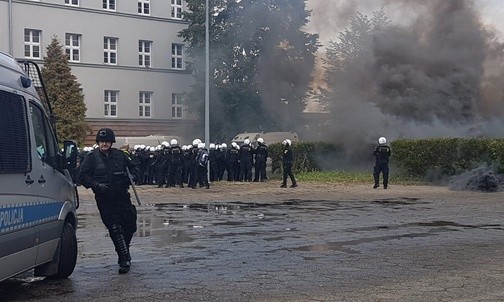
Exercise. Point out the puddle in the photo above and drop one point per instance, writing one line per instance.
(304, 226)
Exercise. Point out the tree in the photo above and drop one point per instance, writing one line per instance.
(64, 94)
(260, 63)
(346, 71)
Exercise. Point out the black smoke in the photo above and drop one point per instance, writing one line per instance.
(440, 73)
(484, 178)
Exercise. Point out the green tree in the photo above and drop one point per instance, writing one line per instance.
(347, 60)
(260, 63)
(64, 94)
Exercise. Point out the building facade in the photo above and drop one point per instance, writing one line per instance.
(125, 54)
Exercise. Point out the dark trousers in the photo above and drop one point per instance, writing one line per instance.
(288, 172)
(381, 167)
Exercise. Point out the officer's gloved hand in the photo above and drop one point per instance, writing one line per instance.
(101, 187)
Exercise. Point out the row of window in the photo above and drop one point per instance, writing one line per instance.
(32, 49)
(144, 7)
(111, 103)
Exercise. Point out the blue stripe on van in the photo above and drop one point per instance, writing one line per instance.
(19, 216)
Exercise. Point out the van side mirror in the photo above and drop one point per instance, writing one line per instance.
(70, 154)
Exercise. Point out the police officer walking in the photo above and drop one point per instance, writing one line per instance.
(381, 153)
(287, 161)
(104, 170)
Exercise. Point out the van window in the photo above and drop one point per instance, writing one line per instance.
(45, 141)
(14, 134)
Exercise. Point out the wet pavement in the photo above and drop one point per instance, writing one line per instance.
(386, 248)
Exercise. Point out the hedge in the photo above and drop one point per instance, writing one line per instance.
(447, 156)
(412, 157)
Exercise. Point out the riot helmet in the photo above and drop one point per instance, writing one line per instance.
(105, 135)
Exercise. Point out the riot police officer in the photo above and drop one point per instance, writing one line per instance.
(234, 162)
(287, 161)
(246, 160)
(381, 153)
(261, 155)
(104, 170)
(175, 167)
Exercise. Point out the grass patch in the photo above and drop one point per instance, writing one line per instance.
(352, 177)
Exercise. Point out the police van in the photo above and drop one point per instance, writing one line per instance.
(38, 199)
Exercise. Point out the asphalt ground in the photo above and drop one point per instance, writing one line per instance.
(317, 242)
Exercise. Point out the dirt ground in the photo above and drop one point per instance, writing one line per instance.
(271, 191)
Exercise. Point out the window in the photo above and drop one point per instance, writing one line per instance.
(72, 47)
(32, 43)
(14, 129)
(72, 2)
(144, 7)
(177, 56)
(109, 5)
(144, 53)
(177, 106)
(176, 9)
(110, 51)
(46, 144)
(110, 103)
(144, 104)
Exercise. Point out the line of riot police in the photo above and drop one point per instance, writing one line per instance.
(171, 165)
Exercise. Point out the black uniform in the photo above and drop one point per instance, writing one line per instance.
(222, 163)
(246, 160)
(107, 176)
(382, 153)
(288, 160)
(261, 155)
(162, 167)
(202, 166)
(214, 159)
(234, 164)
(175, 167)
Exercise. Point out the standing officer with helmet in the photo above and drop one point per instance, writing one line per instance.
(105, 171)
(261, 155)
(175, 167)
(288, 160)
(381, 153)
(246, 159)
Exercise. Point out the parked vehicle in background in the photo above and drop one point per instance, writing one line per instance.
(38, 199)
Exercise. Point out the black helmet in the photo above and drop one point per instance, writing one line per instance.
(105, 135)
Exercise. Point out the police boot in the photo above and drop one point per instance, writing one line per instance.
(376, 180)
(385, 180)
(121, 248)
(293, 180)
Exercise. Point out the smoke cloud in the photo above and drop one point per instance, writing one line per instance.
(436, 71)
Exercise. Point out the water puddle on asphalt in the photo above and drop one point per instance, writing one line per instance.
(300, 225)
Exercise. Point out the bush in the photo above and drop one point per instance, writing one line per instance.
(306, 155)
(446, 156)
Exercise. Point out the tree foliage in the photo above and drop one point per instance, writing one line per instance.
(345, 71)
(260, 63)
(65, 94)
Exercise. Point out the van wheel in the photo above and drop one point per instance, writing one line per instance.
(67, 252)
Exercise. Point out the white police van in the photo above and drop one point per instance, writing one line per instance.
(38, 199)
